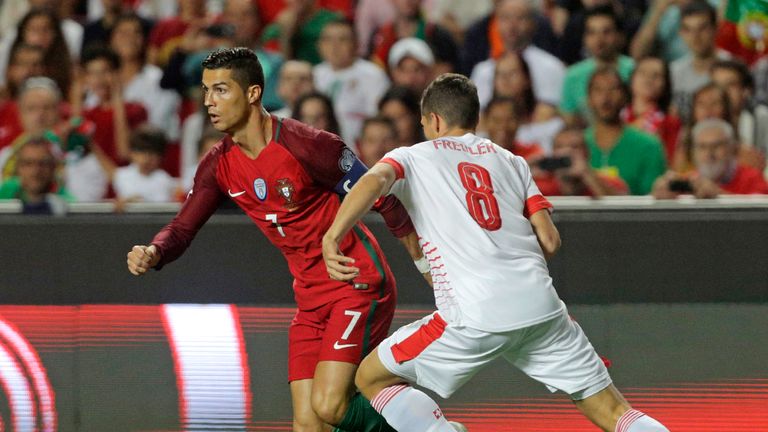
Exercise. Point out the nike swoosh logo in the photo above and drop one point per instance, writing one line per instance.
(338, 346)
(234, 195)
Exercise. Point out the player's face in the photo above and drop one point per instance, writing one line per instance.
(226, 102)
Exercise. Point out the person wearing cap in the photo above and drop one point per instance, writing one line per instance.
(411, 64)
(353, 84)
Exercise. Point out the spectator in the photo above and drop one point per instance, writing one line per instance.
(457, 16)
(717, 170)
(649, 103)
(516, 23)
(568, 172)
(97, 32)
(411, 64)
(35, 181)
(316, 110)
(401, 105)
(378, 136)
(538, 122)
(40, 114)
(659, 33)
(295, 80)
(140, 80)
(143, 179)
(26, 61)
(484, 39)
(71, 30)
(41, 27)
(166, 34)
(297, 29)
(709, 102)
(104, 104)
(369, 16)
(501, 119)
(615, 149)
(410, 22)
(353, 84)
(751, 118)
(602, 38)
(698, 23)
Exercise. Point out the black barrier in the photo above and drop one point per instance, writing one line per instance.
(608, 256)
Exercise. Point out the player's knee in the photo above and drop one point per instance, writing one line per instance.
(329, 406)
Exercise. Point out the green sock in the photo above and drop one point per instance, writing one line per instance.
(361, 417)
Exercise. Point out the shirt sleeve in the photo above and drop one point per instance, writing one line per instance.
(202, 201)
(534, 200)
(334, 166)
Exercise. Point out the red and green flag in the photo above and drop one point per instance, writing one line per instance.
(744, 32)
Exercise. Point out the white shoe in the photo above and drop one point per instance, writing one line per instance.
(458, 427)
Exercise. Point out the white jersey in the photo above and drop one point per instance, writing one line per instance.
(469, 200)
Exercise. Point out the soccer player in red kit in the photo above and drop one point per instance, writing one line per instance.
(288, 177)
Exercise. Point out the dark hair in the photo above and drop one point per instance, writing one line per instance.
(517, 106)
(343, 21)
(410, 101)
(453, 97)
(100, 52)
(132, 17)
(13, 88)
(747, 81)
(333, 126)
(57, 61)
(697, 7)
(528, 103)
(379, 119)
(149, 139)
(606, 70)
(243, 62)
(605, 10)
(665, 99)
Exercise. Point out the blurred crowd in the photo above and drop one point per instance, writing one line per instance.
(100, 99)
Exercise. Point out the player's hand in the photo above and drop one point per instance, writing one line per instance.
(142, 258)
(338, 266)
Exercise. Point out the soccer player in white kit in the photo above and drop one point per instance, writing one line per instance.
(485, 230)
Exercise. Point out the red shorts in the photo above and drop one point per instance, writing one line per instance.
(345, 330)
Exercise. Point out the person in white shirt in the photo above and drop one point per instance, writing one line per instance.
(143, 179)
(485, 230)
(353, 84)
(517, 23)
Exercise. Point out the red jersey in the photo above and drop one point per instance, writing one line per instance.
(291, 191)
(104, 134)
(745, 180)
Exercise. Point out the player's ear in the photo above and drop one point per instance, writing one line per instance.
(436, 121)
(254, 94)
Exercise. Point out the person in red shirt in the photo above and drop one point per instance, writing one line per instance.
(104, 104)
(718, 172)
(288, 177)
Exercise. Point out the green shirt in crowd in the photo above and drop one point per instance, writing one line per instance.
(11, 189)
(576, 81)
(637, 157)
(304, 41)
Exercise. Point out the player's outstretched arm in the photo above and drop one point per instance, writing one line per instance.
(142, 258)
(546, 232)
(375, 183)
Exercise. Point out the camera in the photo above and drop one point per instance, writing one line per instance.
(554, 163)
(680, 186)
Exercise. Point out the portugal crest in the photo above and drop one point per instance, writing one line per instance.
(260, 187)
(286, 190)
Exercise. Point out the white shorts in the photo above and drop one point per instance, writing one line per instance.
(442, 357)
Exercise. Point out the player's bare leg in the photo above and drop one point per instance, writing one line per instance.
(333, 385)
(304, 417)
(405, 408)
(611, 412)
